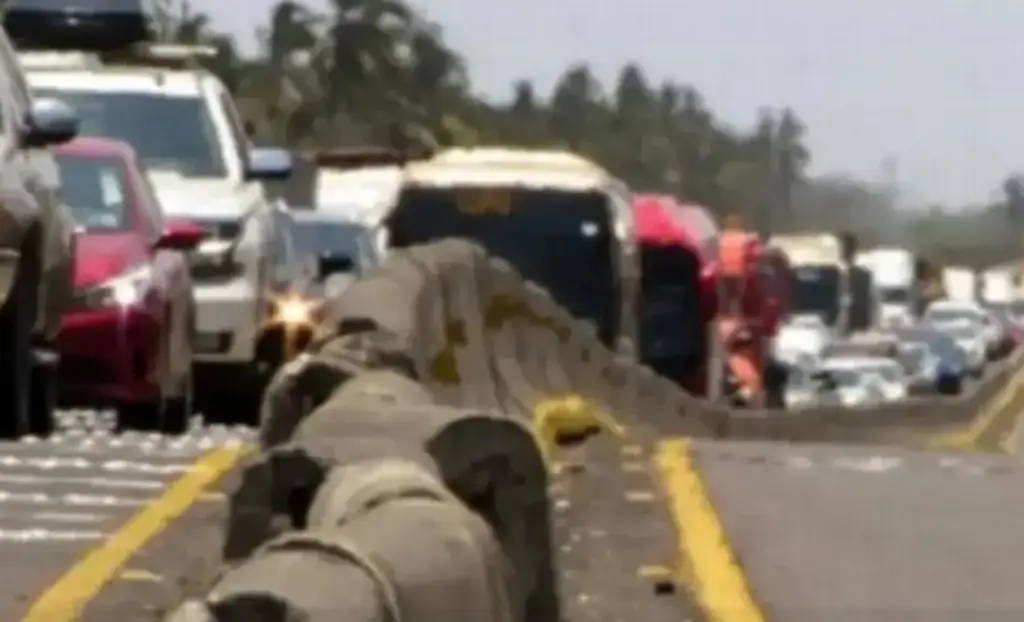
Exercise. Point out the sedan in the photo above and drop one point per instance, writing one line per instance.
(126, 343)
(970, 338)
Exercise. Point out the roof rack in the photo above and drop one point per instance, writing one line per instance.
(58, 60)
(164, 56)
(86, 25)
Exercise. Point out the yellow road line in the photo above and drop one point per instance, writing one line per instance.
(1011, 442)
(720, 585)
(65, 599)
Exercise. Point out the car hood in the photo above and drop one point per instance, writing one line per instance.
(102, 256)
(201, 198)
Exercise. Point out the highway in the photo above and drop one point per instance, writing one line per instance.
(819, 532)
(67, 506)
(124, 527)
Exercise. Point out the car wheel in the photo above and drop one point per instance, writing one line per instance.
(178, 411)
(17, 322)
(140, 416)
(43, 395)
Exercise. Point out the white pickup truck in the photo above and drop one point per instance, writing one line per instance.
(184, 125)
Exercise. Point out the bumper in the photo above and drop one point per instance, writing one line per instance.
(228, 320)
(109, 356)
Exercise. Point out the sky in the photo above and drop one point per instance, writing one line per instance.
(933, 87)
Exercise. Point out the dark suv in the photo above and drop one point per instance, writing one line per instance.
(36, 246)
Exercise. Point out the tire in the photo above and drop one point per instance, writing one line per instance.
(43, 396)
(17, 323)
(178, 410)
(235, 399)
(139, 416)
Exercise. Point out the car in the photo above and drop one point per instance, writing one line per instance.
(969, 337)
(184, 125)
(802, 335)
(920, 365)
(946, 312)
(126, 342)
(801, 388)
(1012, 328)
(951, 360)
(36, 246)
(851, 385)
(336, 248)
(892, 381)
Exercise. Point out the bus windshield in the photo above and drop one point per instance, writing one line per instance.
(816, 290)
(561, 240)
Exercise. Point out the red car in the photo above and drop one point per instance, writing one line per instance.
(126, 343)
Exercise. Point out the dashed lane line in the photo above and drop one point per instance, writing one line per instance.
(709, 563)
(65, 599)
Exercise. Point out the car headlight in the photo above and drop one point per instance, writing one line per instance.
(296, 311)
(124, 290)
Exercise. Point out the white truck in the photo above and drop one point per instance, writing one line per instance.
(189, 136)
(821, 281)
(892, 270)
(960, 283)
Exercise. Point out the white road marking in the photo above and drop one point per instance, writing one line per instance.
(870, 464)
(71, 498)
(57, 517)
(20, 479)
(30, 536)
(53, 463)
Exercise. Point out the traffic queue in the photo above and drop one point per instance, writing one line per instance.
(164, 266)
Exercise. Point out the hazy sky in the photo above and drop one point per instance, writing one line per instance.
(936, 85)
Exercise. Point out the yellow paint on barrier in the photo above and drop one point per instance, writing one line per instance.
(719, 583)
(569, 415)
(989, 415)
(65, 599)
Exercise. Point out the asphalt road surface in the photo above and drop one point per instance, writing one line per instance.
(63, 496)
(813, 533)
(828, 533)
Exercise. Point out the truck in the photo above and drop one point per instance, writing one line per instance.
(725, 297)
(892, 272)
(826, 282)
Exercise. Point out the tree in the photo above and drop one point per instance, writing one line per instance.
(349, 74)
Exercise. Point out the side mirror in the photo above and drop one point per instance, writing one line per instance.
(180, 236)
(49, 122)
(334, 263)
(269, 164)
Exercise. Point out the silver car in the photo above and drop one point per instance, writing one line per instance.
(36, 245)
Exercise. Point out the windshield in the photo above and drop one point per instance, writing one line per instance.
(316, 238)
(894, 295)
(93, 187)
(168, 133)
(816, 290)
(671, 326)
(562, 240)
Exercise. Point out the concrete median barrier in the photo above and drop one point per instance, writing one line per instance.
(435, 401)
(403, 558)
